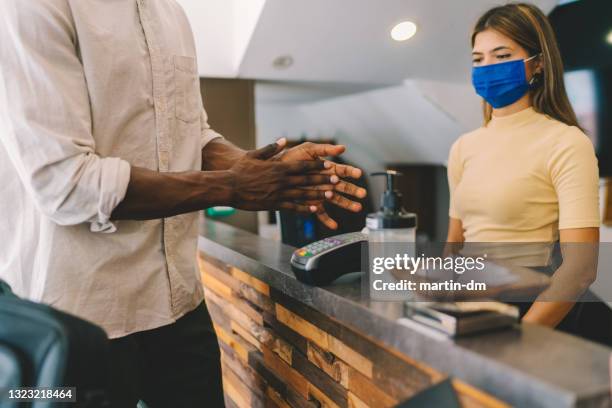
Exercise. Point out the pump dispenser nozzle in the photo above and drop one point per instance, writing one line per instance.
(391, 214)
(391, 200)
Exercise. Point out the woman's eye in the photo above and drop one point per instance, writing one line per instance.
(503, 56)
(476, 61)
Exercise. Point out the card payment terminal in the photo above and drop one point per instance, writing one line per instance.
(322, 262)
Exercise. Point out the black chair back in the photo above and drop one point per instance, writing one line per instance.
(43, 347)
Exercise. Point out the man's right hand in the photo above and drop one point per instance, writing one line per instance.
(259, 184)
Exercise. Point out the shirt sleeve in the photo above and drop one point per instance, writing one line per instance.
(454, 172)
(207, 133)
(46, 108)
(575, 176)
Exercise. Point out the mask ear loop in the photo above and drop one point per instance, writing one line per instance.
(535, 78)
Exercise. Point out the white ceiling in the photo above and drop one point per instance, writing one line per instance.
(336, 40)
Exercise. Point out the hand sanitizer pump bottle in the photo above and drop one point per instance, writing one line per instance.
(391, 232)
(391, 223)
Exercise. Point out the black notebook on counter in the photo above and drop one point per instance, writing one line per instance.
(462, 318)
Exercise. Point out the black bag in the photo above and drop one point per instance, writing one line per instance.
(43, 347)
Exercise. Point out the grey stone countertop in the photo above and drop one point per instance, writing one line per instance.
(528, 366)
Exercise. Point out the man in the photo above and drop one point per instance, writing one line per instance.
(105, 157)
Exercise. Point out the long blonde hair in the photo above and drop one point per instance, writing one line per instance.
(528, 26)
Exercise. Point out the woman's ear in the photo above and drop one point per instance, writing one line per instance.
(538, 73)
(539, 68)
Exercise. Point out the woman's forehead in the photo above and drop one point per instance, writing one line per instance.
(491, 40)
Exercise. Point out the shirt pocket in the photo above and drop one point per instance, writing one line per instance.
(188, 99)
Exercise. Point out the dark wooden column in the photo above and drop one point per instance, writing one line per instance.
(230, 104)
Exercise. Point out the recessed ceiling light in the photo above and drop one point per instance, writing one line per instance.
(403, 31)
(609, 37)
(283, 62)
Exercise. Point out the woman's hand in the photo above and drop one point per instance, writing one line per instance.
(579, 247)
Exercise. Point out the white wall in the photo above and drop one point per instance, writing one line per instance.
(222, 30)
(411, 123)
(414, 122)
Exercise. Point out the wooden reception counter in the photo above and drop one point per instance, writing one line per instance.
(284, 343)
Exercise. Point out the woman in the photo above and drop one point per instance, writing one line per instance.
(529, 174)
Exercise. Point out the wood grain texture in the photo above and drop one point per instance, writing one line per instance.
(277, 352)
(332, 366)
(324, 340)
(292, 378)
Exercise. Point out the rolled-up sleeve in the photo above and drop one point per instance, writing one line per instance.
(48, 132)
(207, 133)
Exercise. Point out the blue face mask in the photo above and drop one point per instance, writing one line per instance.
(501, 84)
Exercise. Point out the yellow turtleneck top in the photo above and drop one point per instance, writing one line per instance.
(522, 178)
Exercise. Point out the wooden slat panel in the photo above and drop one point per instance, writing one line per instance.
(238, 318)
(234, 391)
(296, 400)
(326, 361)
(217, 286)
(248, 308)
(355, 402)
(242, 332)
(223, 277)
(393, 375)
(291, 377)
(217, 315)
(278, 352)
(301, 326)
(257, 363)
(246, 375)
(287, 334)
(240, 346)
(288, 394)
(222, 274)
(282, 349)
(321, 398)
(369, 393)
(242, 393)
(253, 282)
(333, 391)
(210, 267)
(276, 398)
(324, 340)
(350, 356)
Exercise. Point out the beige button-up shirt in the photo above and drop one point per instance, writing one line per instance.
(88, 88)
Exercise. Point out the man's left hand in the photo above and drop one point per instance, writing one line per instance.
(313, 151)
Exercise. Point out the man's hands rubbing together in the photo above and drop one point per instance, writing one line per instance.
(270, 178)
(297, 179)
